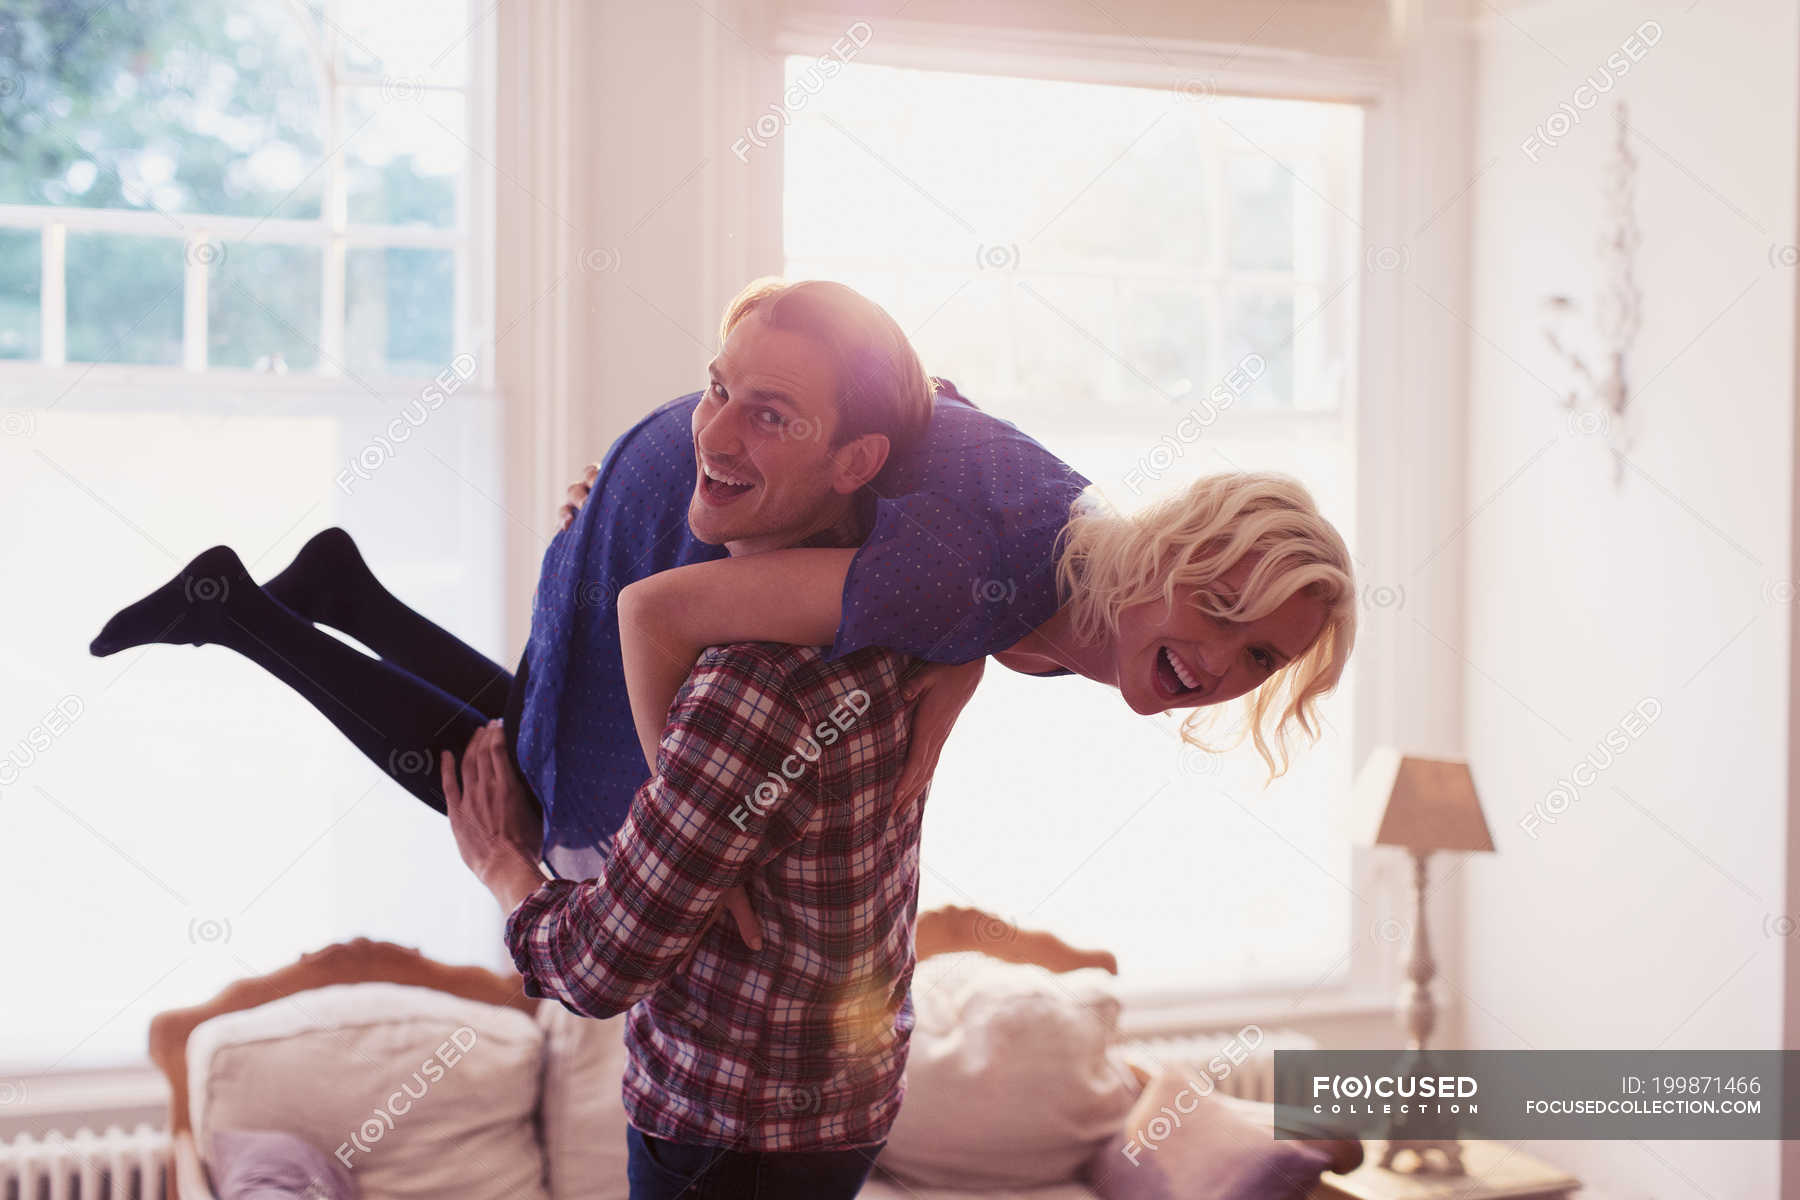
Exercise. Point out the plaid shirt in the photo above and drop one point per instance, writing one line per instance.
(776, 770)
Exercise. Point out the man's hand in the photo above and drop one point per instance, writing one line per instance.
(578, 494)
(497, 825)
(737, 903)
(937, 694)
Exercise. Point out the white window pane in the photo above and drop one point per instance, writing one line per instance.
(407, 41)
(1262, 212)
(1323, 352)
(165, 119)
(1262, 323)
(401, 304)
(196, 822)
(966, 321)
(125, 298)
(1152, 155)
(194, 107)
(1165, 337)
(1058, 808)
(1098, 263)
(405, 153)
(1062, 328)
(262, 306)
(218, 827)
(21, 276)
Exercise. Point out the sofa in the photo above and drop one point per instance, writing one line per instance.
(367, 1069)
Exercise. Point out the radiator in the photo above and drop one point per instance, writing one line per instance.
(85, 1165)
(1209, 1056)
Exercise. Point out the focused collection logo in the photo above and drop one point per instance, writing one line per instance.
(1351, 1095)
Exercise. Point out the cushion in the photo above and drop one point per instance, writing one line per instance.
(1012, 1080)
(266, 1165)
(417, 1092)
(583, 1111)
(1180, 1140)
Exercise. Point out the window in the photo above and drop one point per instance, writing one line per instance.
(283, 200)
(1155, 285)
(203, 184)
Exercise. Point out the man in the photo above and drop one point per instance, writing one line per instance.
(779, 1068)
(975, 507)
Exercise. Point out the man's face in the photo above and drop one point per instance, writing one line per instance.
(767, 475)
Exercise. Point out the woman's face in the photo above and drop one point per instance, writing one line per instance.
(1184, 658)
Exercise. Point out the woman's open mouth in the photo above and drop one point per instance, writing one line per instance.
(1176, 681)
(719, 486)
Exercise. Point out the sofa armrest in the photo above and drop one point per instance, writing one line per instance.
(357, 961)
(189, 1180)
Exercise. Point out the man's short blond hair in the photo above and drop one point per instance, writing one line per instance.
(881, 385)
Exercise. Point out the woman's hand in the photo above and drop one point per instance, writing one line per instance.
(578, 494)
(498, 827)
(938, 694)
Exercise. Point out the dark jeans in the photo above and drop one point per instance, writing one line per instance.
(663, 1170)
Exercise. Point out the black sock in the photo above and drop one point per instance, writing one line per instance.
(186, 611)
(319, 582)
(400, 722)
(329, 582)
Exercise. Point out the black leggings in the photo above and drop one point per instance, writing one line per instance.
(425, 692)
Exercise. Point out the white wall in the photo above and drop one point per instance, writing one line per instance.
(1642, 916)
(621, 237)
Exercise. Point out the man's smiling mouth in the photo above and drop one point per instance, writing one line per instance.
(720, 485)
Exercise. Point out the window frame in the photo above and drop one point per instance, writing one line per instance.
(740, 236)
(471, 239)
(130, 1094)
(1362, 987)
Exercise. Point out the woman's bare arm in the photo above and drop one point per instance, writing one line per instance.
(667, 619)
(660, 639)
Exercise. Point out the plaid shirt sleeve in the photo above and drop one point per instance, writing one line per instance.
(718, 806)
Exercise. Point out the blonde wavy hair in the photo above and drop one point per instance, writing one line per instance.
(1177, 549)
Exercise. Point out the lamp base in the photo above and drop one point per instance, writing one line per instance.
(1430, 1157)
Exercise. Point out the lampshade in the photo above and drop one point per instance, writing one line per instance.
(1420, 803)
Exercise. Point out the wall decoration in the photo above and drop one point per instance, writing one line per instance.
(1598, 393)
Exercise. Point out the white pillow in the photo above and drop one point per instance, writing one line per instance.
(418, 1092)
(583, 1110)
(1012, 1080)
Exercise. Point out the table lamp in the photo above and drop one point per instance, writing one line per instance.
(1423, 804)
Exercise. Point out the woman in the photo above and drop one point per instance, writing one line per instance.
(1236, 585)
(962, 560)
